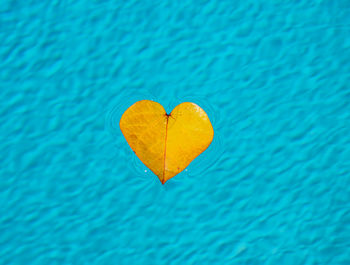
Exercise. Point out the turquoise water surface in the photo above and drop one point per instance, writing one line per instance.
(274, 186)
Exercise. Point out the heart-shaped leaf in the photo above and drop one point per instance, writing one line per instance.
(166, 143)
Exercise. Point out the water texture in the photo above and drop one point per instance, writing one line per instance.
(273, 76)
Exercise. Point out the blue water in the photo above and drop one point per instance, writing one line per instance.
(274, 78)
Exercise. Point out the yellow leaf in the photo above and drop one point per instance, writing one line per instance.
(166, 144)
